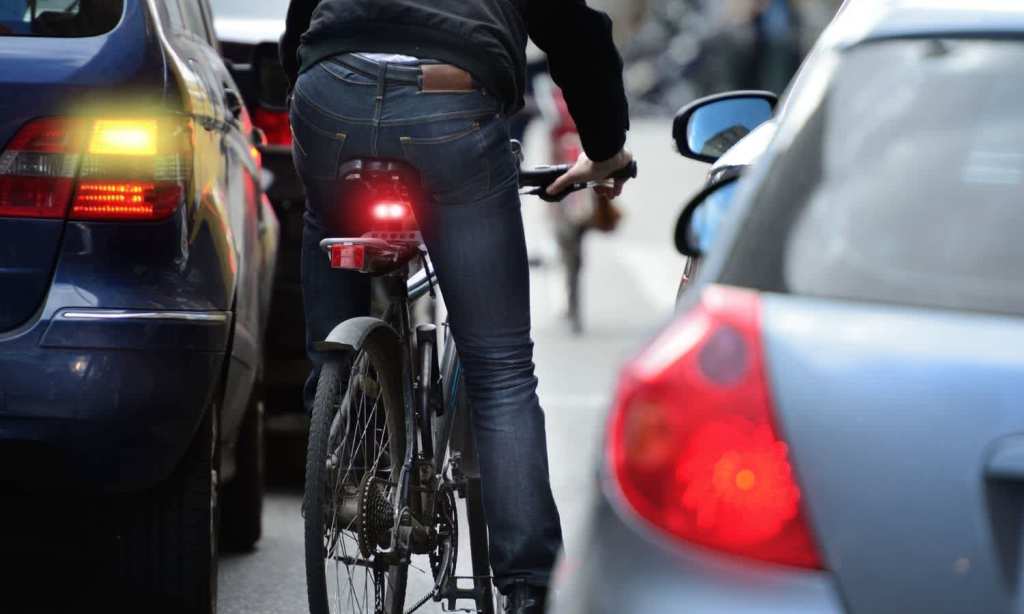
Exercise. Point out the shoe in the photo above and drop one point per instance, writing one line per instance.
(526, 599)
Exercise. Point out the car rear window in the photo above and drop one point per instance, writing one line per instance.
(904, 185)
(265, 9)
(59, 18)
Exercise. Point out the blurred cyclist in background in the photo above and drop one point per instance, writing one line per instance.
(432, 84)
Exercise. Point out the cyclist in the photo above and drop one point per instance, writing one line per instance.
(432, 83)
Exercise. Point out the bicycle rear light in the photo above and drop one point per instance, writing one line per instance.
(693, 445)
(391, 211)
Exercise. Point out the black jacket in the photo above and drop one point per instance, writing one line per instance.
(486, 38)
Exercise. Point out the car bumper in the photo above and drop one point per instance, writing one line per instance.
(627, 567)
(106, 400)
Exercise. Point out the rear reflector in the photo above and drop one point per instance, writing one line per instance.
(693, 444)
(352, 257)
(275, 125)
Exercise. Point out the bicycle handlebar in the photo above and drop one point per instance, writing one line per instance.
(540, 177)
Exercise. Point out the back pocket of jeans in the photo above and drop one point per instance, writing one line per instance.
(452, 164)
(315, 150)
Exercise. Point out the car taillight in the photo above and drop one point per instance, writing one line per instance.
(275, 125)
(133, 169)
(37, 168)
(106, 169)
(692, 442)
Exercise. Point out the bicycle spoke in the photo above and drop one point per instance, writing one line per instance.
(362, 449)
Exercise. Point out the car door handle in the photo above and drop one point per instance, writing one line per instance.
(1006, 460)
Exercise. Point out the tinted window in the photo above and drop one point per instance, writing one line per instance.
(905, 185)
(59, 18)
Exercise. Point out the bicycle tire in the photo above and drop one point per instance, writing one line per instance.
(339, 390)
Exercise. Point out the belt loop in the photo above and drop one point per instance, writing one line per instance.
(382, 81)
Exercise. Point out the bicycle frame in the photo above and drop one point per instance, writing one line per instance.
(440, 442)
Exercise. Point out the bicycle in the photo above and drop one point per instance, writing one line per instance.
(390, 446)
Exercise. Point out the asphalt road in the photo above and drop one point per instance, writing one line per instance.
(629, 290)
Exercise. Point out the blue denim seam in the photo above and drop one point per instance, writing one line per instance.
(353, 120)
(472, 114)
(328, 133)
(343, 78)
(440, 140)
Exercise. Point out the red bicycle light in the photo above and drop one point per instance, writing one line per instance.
(693, 445)
(390, 211)
(352, 257)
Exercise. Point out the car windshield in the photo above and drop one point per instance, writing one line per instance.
(264, 9)
(59, 18)
(904, 185)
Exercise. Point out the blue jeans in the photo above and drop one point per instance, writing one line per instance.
(350, 107)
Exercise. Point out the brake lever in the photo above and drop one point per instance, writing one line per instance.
(542, 192)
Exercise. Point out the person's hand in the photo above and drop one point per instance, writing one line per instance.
(586, 170)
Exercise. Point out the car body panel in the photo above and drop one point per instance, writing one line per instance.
(903, 424)
(285, 356)
(113, 371)
(627, 566)
(891, 414)
(39, 76)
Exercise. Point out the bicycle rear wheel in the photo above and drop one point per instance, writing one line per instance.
(356, 450)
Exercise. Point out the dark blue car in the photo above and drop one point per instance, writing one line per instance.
(136, 253)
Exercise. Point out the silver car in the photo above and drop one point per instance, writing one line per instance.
(835, 420)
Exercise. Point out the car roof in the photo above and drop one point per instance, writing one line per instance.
(861, 21)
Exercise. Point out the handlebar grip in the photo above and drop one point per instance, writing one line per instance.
(626, 172)
(543, 176)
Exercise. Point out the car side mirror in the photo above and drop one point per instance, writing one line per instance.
(706, 128)
(697, 226)
(271, 82)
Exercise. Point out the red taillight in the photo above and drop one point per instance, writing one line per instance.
(107, 169)
(693, 445)
(275, 125)
(390, 211)
(98, 200)
(37, 168)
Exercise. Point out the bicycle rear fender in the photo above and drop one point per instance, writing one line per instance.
(351, 335)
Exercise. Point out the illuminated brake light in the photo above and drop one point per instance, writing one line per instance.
(126, 169)
(125, 200)
(275, 125)
(124, 137)
(390, 211)
(37, 168)
(133, 170)
(692, 442)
